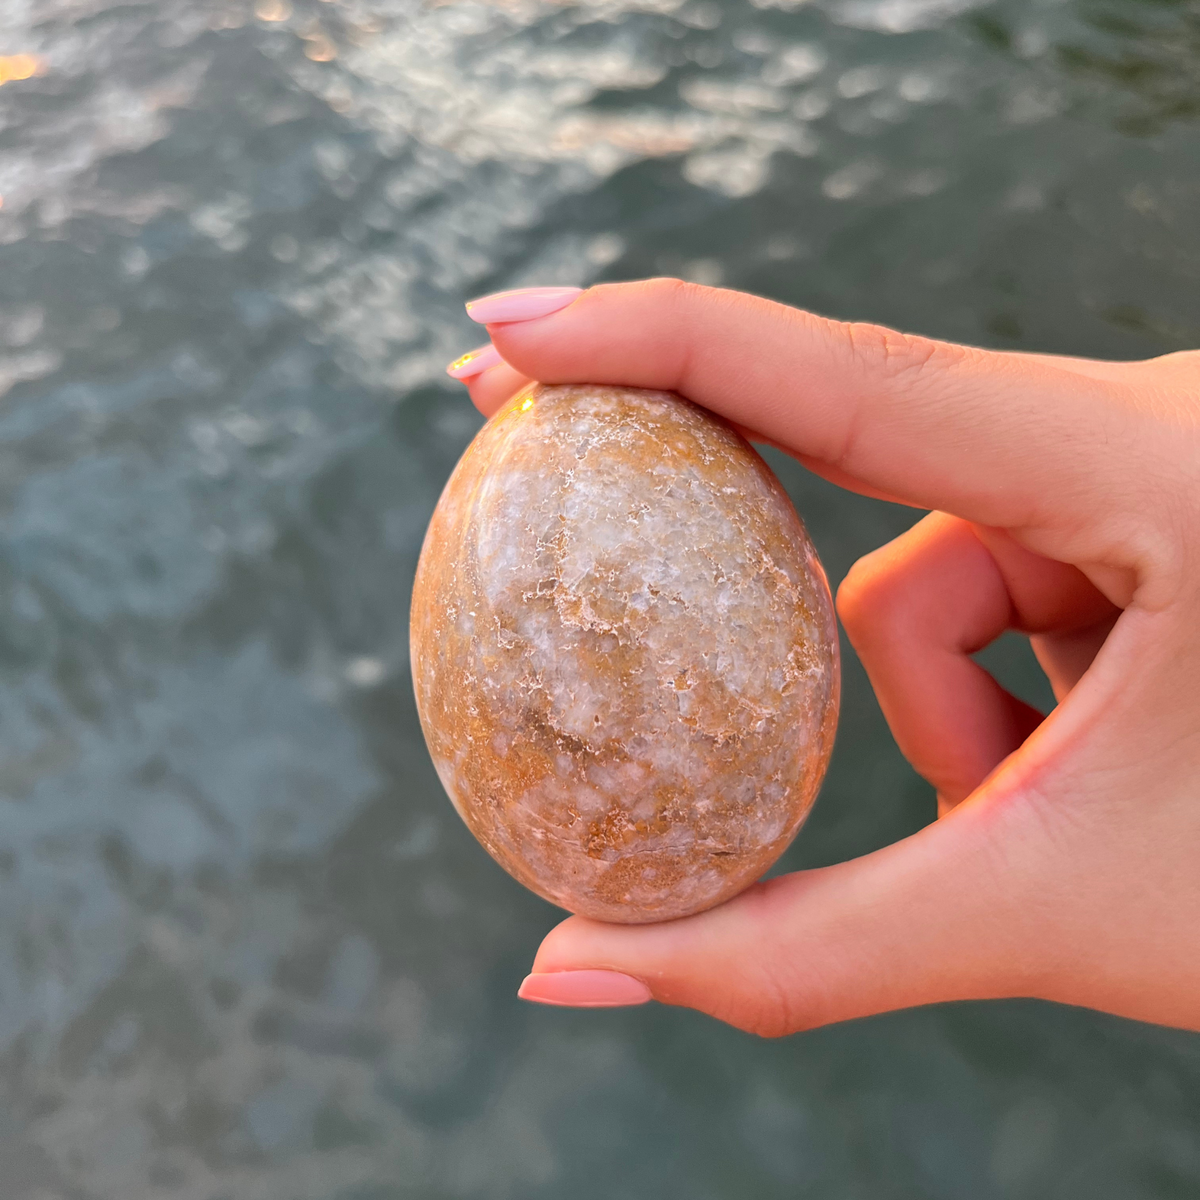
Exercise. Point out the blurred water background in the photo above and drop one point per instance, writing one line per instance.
(247, 950)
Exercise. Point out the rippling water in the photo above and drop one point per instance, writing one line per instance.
(246, 948)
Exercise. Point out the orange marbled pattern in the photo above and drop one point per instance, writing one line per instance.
(624, 652)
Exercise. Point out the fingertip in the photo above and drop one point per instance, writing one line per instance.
(474, 362)
(490, 389)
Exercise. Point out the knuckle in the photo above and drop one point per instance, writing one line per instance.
(894, 355)
(680, 312)
(673, 293)
(782, 1001)
(767, 1009)
(766, 1022)
(769, 998)
(872, 597)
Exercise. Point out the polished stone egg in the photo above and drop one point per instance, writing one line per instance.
(624, 652)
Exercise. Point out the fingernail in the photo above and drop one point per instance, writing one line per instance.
(584, 989)
(474, 362)
(522, 304)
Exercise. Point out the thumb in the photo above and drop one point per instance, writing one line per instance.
(943, 915)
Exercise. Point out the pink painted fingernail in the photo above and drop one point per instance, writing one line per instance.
(522, 304)
(584, 989)
(474, 362)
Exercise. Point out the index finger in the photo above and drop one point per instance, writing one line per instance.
(1008, 440)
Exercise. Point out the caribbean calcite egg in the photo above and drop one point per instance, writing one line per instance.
(624, 652)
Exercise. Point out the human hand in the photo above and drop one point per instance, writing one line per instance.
(1066, 498)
